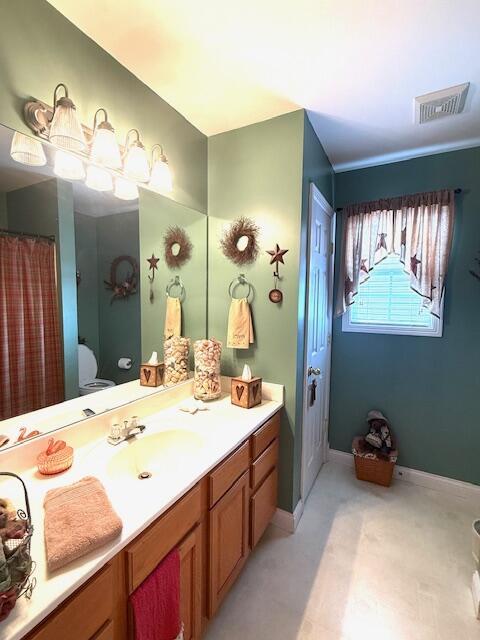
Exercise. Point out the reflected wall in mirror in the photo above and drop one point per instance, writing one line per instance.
(187, 282)
(66, 330)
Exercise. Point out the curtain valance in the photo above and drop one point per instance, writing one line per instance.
(418, 228)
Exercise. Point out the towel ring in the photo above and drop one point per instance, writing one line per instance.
(175, 282)
(236, 282)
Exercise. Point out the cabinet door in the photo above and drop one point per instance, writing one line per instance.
(229, 523)
(191, 584)
(264, 504)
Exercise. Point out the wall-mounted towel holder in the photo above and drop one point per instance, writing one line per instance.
(240, 281)
(175, 282)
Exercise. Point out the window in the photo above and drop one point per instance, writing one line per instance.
(385, 303)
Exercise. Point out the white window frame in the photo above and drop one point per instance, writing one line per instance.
(436, 331)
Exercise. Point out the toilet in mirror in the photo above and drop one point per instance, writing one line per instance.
(87, 371)
(83, 306)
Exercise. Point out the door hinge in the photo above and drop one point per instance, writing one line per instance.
(329, 339)
(332, 248)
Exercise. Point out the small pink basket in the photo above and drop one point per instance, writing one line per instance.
(49, 465)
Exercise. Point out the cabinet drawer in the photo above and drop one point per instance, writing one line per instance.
(160, 538)
(263, 506)
(105, 633)
(222, 478)
(263, 464)
(84, 614)
(265, 435)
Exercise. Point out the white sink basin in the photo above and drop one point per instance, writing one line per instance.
(156, 454)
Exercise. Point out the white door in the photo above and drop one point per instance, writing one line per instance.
(317, 339)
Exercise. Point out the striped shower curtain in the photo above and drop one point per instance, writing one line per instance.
(31, 360)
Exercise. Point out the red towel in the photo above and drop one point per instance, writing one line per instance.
(156, 602)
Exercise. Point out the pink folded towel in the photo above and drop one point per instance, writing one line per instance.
(78, 519)
(156, 602)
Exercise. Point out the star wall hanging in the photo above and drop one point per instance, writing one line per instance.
(153, 262)
(276, 256)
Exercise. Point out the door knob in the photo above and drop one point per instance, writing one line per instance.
(314, 371)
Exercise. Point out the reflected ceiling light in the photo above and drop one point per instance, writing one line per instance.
(68, 166)
(27, 150)
(65, 128)
(161, 177)
(104, 150)
(125, 189)
(135, 164)
(98, 179)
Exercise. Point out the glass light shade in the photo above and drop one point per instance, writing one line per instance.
(105, 149)
(161, 178)
(66, 129)
(125, 189)
(135, 166)
(27, 150)
(68, 166)
(98, 179)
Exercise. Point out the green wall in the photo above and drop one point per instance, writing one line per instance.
(261, 171)
(39, 48)
(87, 291)
(3, 210)
(428, 387)
(118, 321)
(46, 208)
(156, 215)
(110, 329)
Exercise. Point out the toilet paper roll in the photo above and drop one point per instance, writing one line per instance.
(125, 363)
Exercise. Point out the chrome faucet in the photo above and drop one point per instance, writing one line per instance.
(127, 431)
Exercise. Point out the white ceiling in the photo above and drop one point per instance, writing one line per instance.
(355, 65)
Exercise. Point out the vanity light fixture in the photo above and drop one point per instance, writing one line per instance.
(68, 166)
(66, 130)
(161, 177)
(125, 189)
(104, 150)
(98, 179)
(135, 164)
(27, 150)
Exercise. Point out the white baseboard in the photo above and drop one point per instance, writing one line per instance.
(419, 478)
(286, 520)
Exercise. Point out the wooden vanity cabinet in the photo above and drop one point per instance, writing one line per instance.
(228, 548)
(214, 526)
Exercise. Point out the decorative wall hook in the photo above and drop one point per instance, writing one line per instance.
(275, 295)
(153, 262)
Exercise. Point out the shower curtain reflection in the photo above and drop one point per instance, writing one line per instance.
(31, 367)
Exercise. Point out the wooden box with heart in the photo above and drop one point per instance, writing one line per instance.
(151, 375)
(246, 394)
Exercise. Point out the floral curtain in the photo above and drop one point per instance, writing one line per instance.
(417, 228)
(31, 361)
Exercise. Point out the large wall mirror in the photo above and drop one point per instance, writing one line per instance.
(85, 279)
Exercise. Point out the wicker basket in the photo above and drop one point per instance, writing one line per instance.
(17, 560)
(49, 465)
(374, 470)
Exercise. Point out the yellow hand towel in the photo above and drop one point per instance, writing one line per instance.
(173, 318)
(240, 327)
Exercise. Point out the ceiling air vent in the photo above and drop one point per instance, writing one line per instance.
(438, 104)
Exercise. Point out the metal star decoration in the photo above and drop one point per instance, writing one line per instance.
(153, 261)
(277, 255)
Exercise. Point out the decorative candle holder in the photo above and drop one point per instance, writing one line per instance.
(246, 393)
(151, 375)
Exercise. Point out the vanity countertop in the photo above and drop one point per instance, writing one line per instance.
(216, 432)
